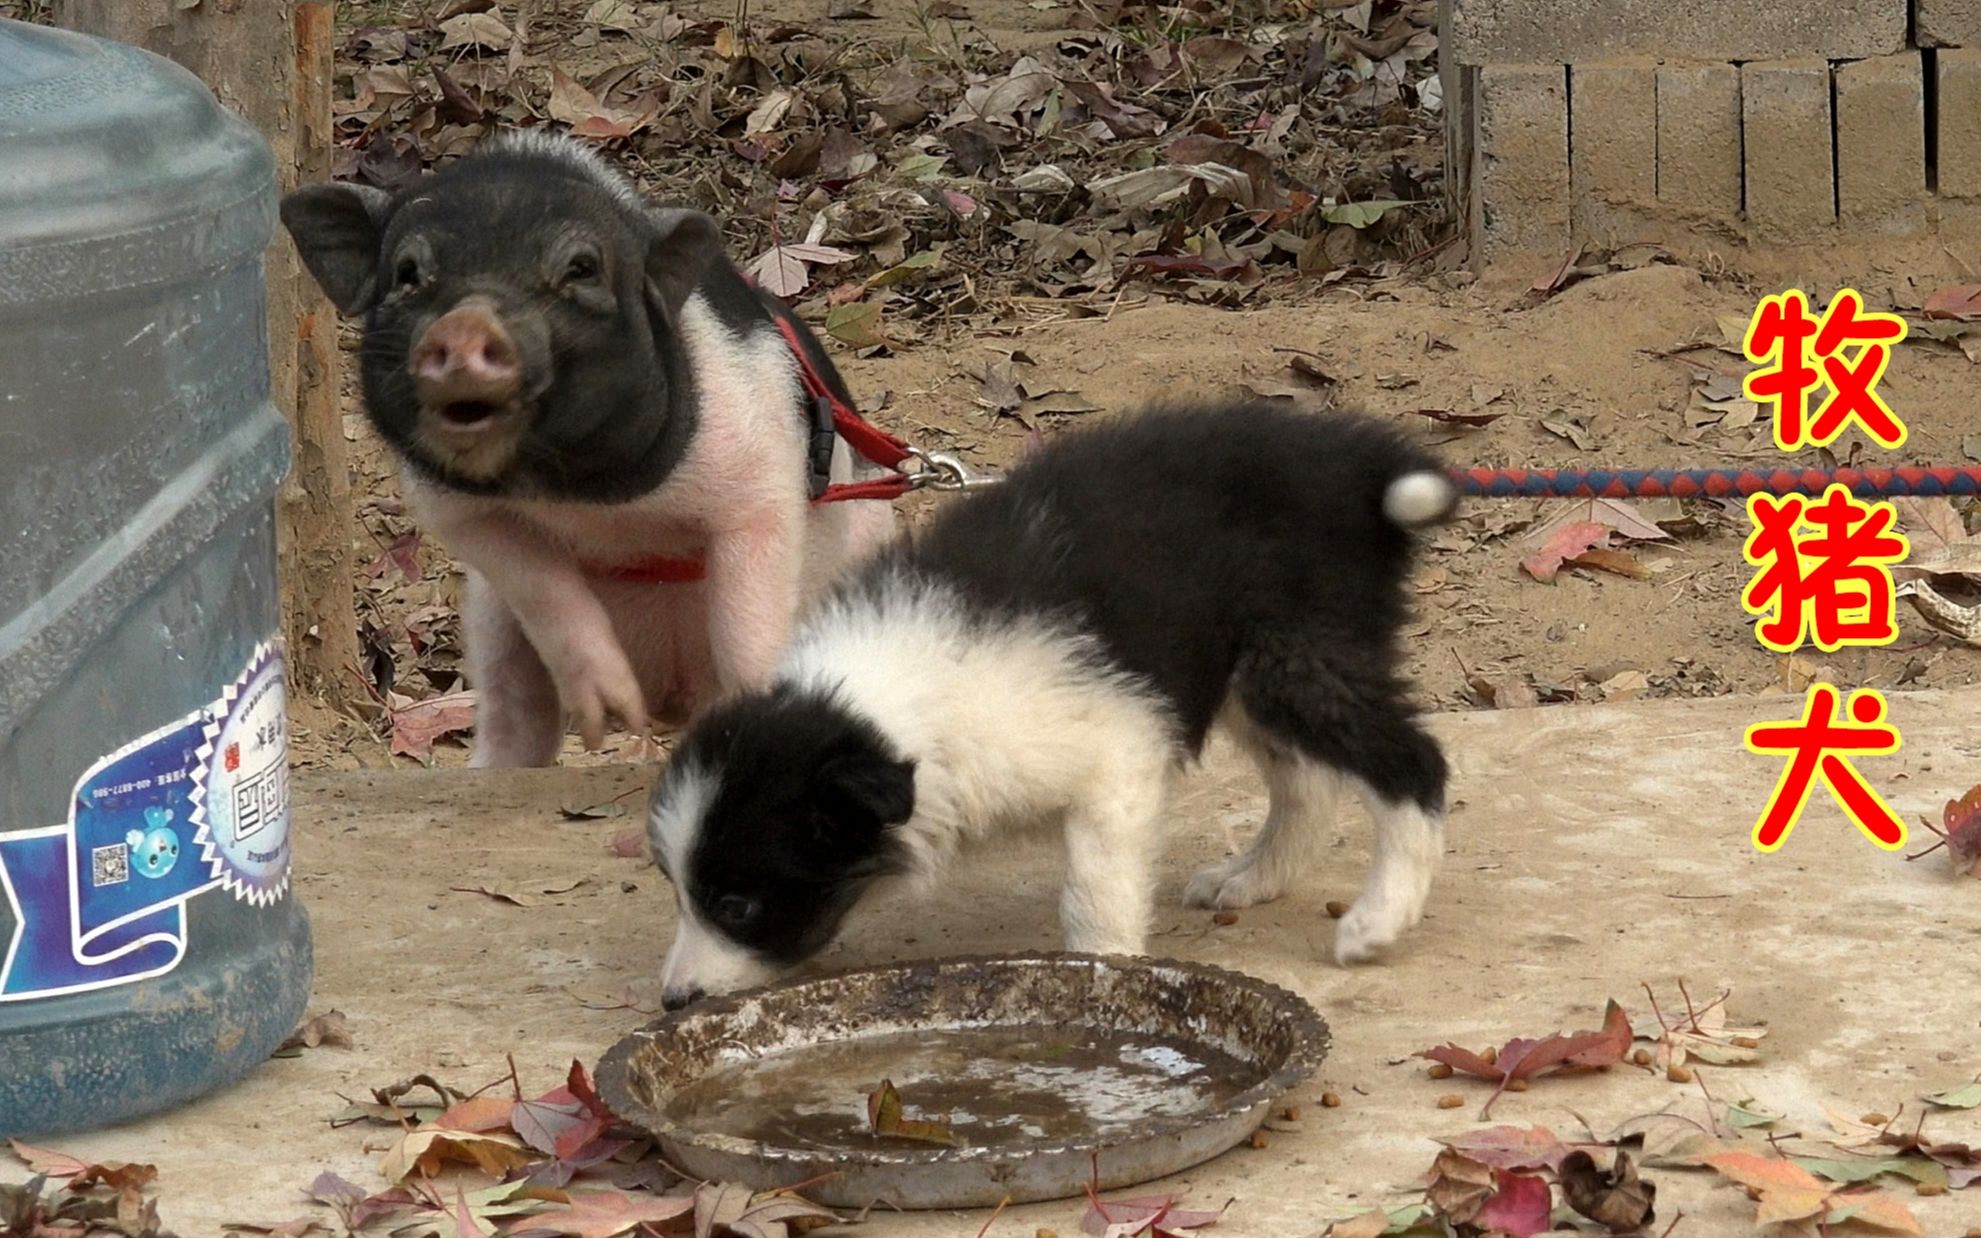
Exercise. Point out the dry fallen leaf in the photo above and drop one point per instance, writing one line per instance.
(422, 1152)
(591, 117)
(1702, 1034)
(1965, 1097)
(1156, 1215)
(1568, 542)
(79, 1173)
(417, 724)
(1959, 832)
(1615, 562)
(1458, 419)
(1575, 429)
(329, 1028)
(1512, 1147)
(1526, 1059)
(521, 898)
(1791, 1193)
(481, 29)
(1615, 1198)
(884, 1117)
(604, 1214)
(857, 324)
(1521, 1206)
(628, 844)
(1962, 302)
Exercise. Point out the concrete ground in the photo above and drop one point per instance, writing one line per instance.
(1592, 849)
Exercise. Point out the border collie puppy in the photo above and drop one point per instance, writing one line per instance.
(1054, 650)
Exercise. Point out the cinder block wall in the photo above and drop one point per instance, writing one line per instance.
(1744, 121)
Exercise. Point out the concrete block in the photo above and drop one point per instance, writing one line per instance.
(1613, 132)
(1520, 190)
(1785, 134)
(1699, 138)
(1947, 23)
(1881, 142)
(1571, 31)
(1960, 122)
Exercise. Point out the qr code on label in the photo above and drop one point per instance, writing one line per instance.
(109, 866)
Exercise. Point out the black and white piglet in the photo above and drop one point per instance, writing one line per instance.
(600, 418)
(1052, 652)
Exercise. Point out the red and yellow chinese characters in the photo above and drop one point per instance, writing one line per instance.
(1821, 746)
(1851, 345)
(1823, 566)
(1825, 571)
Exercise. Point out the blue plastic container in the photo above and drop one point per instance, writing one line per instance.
(150, 946)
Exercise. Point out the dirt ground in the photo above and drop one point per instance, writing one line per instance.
(1624, 369)
(1589, 357)
(1600, 839)
(1593, 850)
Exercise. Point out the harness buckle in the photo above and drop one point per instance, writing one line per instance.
(940, 470)
(824, 435)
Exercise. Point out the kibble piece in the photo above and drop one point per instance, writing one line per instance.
(1225, 917)
(1450, 1100)
(1330, 1100)
(1516, 1085)
(1746, 1042)
(1642, 1057)
(1337, 909)
(1931, 1188)
(1259, 1139)
(1678, 1074)
(1875, 1119)
(1439, 1070)
(1293, 1111)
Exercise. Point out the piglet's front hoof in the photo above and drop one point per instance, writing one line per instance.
(594, 703)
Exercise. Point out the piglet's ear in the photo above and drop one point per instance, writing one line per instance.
(680, 248)
(338, 229)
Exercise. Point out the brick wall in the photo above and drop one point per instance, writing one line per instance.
(1730, 121)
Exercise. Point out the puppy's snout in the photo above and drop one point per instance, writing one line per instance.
(466, 367)
(679, 999)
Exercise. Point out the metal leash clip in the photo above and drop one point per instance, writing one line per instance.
(939, 470)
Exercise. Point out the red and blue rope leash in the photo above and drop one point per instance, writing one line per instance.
(1903, 481)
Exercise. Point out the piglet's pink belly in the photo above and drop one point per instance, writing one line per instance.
(664, 630)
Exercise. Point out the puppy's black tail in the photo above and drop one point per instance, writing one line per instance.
(1418, 498)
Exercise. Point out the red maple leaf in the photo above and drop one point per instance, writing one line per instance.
(1960, 833)
(1521, 1058)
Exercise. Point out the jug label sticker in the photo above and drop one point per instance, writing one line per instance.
(200, 804)
(243, 791)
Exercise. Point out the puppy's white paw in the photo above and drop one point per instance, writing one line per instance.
(1238, 882)
(1370, 926)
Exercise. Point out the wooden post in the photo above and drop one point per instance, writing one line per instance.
(271, 62)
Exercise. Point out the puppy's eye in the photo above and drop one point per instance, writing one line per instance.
(583, 268)
(736, 910)
(408, 274)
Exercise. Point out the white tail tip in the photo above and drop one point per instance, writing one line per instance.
(1420, 498)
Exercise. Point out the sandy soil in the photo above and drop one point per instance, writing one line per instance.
(1587, 356)
(1593, 850)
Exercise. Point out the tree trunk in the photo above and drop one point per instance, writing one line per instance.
(271, 62)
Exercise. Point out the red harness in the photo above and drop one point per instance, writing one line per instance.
(831, 420)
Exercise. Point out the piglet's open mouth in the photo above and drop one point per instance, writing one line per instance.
(467, 414)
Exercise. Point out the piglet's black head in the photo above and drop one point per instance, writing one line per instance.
(800, 821)
(521, 317)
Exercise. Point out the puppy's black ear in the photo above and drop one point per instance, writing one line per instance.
(859, 796)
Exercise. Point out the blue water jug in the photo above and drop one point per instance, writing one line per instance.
(151, 947)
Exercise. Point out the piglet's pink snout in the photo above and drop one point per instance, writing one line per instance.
(467, 362)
